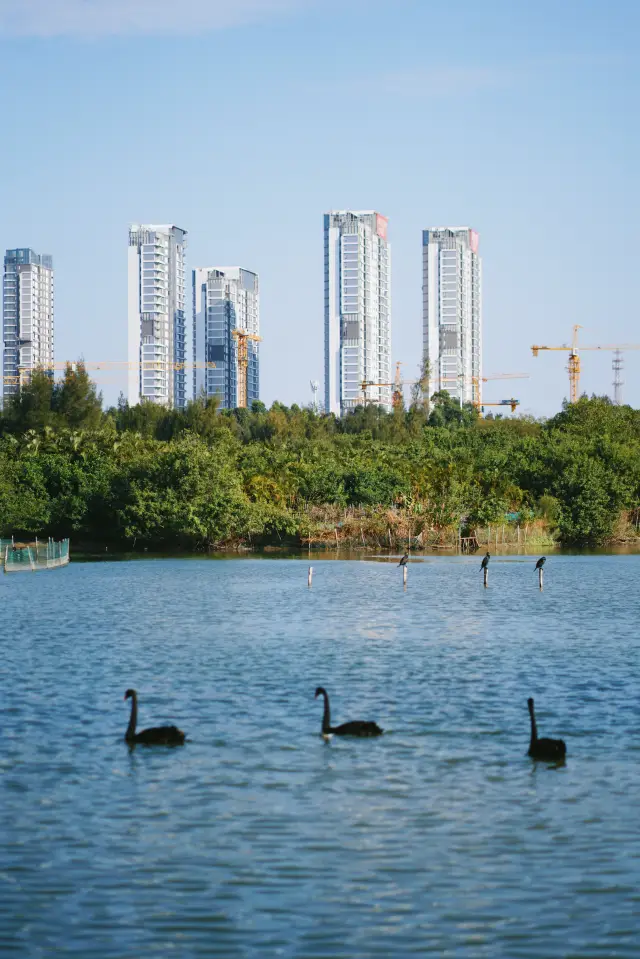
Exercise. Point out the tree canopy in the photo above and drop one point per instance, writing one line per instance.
(205, 477)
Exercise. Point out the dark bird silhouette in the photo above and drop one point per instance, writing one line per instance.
(355, 728)
(403, 561)
(541, 562)
(157, 735)
(552, 750)
(485, 561)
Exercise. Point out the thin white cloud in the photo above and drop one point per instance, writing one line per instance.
(47, 18)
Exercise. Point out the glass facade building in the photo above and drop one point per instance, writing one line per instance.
(27, 317)
(158, 344)
(357, 310)
(452, 311)
(226, 298)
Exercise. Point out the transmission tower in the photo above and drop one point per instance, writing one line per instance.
(618, 366)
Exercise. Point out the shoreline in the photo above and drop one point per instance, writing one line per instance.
(93, 554)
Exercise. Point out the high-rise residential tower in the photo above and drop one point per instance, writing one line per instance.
(158, 333)
(27, 312)
(357, 310)
(452, 311)
(226, 330)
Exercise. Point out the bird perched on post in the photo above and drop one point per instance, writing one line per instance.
(403, 561)
(485, 561)
(541, 562)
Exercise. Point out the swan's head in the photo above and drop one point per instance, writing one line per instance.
(129, 693)
(320, 691)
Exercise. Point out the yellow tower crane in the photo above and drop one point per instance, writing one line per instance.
(510, 402)
(243, 336)
(479, 380)
(398, 383)
(573, 366)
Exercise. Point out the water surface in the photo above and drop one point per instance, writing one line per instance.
(259, 839)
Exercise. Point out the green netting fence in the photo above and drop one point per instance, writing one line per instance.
(17, 557)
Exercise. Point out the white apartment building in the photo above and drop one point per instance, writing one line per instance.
(27, 317)
(157, 330)
(226, 298)
(452, 311)
(357, 310)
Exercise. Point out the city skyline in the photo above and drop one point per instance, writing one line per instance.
(476, 114)
(224, 299)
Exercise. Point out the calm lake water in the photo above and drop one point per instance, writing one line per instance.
(258, 838)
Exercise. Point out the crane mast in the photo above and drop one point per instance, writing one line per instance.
(573, 365)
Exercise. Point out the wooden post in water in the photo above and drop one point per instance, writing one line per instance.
(541, 578)
(404, 575)
(486, 575)
(310, 576)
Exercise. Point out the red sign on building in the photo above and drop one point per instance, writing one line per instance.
(381, 226)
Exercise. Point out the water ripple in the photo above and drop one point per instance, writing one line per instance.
(260, 839)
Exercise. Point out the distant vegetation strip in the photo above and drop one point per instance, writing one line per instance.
(202, 479)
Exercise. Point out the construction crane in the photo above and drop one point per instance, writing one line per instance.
(573, 366)
(366, 384)
(510, 402)
(398, 383)
(479, 380)
(242, 337)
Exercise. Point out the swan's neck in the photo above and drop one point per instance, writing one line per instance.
(534, 728)
(133, 719)
(326, 718)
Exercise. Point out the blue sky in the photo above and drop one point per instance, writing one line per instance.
(243, 121)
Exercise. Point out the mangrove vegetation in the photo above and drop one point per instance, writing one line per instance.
(204, 478)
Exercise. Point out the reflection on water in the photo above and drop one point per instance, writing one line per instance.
(258, 838)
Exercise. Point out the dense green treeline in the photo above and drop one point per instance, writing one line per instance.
(144, 476)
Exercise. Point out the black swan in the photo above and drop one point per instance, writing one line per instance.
(403, 561)
(485, 561)
(355, 728)
(157, 735)
(551, 750)
(541, 562)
